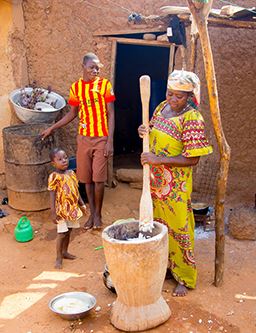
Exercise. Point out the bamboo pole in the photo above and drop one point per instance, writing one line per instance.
(200, 16)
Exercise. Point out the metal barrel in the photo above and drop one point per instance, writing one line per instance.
(27, 166)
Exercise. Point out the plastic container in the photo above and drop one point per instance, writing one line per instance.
(23, 231)
(81, 186)
(45, 107)
(72, 163)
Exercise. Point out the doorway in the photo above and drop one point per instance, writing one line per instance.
(133, 61)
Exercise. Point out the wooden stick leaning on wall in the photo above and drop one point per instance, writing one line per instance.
(200, 16)
(193, 55)
(183, 56)
(171, 58)
(111, 182)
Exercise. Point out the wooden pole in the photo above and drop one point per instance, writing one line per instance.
(227, 23)
(183, 56)
(193, 55)
(200, 16)
(171, 58)
(111, 182)
(212, 21)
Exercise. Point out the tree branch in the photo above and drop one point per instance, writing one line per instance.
(200, 17)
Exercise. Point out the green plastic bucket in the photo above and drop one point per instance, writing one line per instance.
(23, 231)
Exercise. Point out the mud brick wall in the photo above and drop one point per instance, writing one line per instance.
(59, 32)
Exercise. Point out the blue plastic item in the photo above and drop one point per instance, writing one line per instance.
(72, 163)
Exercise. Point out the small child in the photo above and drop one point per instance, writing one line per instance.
(65, 201)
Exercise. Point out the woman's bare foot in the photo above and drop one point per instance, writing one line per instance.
(68, 256)
(97, 223)
(89, 224)
(180, 290)
(58, 264)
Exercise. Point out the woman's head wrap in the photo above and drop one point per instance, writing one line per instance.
(184, 81)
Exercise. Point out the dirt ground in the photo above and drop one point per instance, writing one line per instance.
(28, 280)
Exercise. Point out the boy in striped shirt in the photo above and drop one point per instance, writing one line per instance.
(92, 100)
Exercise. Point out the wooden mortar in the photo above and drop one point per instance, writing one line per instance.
(137, 268)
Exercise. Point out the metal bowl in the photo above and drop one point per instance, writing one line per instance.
(72, 305)
(107, 280)
(200, 208)
(35, 116)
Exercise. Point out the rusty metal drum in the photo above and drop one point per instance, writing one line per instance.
(27, 166)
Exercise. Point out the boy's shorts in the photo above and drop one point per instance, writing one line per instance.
(91, 162)
(63, 226)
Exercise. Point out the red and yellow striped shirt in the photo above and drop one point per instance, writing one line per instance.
(92, 98)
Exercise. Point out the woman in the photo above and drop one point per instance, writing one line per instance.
(177, 140)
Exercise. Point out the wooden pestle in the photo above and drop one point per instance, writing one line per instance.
(146, 206)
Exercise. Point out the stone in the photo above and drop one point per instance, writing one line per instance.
(130, 175)
(149, 36)
(242, 223)
(137, 186)
(162, 38)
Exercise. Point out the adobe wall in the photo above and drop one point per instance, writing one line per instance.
(13, 66)
(58, 33)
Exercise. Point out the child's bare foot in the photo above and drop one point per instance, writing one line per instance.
(180, 290)
(89, 224)
(97, 223)
(58, 264)
(68, 256)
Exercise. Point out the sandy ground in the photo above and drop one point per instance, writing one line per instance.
(28, 280)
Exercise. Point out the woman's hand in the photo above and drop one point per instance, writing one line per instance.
(150, 158)
(142, 130)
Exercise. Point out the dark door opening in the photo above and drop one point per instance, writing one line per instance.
(133, 61)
